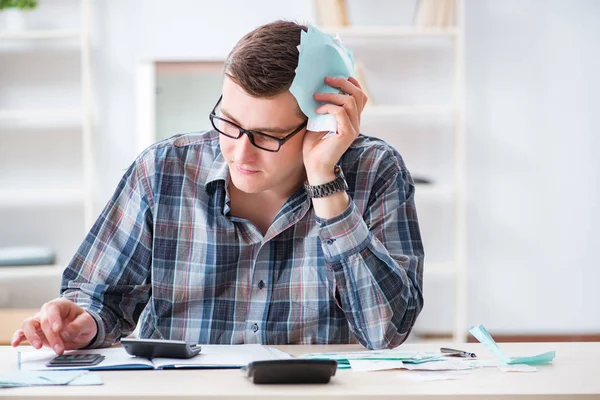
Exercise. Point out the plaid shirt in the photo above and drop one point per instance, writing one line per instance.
(166, 247)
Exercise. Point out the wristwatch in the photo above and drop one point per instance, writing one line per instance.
(327, 189)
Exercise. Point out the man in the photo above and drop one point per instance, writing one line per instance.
(258, 231)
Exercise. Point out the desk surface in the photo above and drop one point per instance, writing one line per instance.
(573, 374)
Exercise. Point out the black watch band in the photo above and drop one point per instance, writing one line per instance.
(327, 189)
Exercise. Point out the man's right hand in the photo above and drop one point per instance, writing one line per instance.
(60, 324)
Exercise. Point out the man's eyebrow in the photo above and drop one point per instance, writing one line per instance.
(270, 130)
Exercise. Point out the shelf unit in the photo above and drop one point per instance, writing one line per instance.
(20, 195)
(454, 268)
(6, 115)
(390, 31)
(41, 34)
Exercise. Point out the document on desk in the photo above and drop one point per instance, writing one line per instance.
(406, 357)
(48, 378)
(116, 358)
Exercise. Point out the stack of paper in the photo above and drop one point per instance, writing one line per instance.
(378, 360)
(344, 359)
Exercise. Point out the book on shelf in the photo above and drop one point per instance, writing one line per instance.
(435, 14)
(332, 13)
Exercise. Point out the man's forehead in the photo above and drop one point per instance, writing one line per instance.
(278, 113)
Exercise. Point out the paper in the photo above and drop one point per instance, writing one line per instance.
(116, 358)
(88, 379)
(433, 376)
(223, 356)
(517, 368)
(321, 55)
(485, 338)
(48, 378)
(374, 365)
(494, 362)
(345, 359)
(449, 365)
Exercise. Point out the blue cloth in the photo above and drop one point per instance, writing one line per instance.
(166, 244)
(321, 55)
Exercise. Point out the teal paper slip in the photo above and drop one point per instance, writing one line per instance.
(486, 339)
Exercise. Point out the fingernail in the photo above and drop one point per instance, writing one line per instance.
(55, 326)
(36, 343)
(57, 348)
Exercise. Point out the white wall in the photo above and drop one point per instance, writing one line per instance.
(533, 126)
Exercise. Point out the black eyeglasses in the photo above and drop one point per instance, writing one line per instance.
(258, 139)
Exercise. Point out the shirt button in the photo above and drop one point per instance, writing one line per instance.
(329, 241)
(255, 328)
(261, 285)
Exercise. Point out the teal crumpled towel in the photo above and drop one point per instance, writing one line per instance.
(321, 55)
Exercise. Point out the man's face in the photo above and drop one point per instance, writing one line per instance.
(254, 170)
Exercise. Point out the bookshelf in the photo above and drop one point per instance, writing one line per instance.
(441, 21)
(47, 157)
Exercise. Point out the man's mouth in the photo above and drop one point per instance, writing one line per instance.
(245, 171)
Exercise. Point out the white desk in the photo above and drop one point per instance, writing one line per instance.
(575, 373)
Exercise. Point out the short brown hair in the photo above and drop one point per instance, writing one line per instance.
(264, 60)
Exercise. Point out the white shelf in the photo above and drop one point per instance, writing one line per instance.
(389, 31)
(40, 34)
(39, 114)
(40, 197)
(36, 271)
(391, 110)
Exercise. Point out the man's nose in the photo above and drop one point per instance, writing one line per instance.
(244, 149)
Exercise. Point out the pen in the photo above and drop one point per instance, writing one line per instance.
(458, 353)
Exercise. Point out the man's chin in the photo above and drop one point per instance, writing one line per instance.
(247, 185)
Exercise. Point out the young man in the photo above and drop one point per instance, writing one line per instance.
(257, 231)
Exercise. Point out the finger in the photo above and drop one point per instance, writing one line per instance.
(336, 98)
(363, 96)
(53, 313)
(346, 129)
(346, 86)
(47, 322)
(351, 87)
(355, 82)
(18, 338)
(30, 328)
(343, 84)
(347, 103)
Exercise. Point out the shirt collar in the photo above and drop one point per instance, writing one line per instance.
(219, 171)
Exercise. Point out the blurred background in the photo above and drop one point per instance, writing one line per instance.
(490, 102)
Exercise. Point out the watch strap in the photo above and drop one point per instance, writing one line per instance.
(327, 189)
